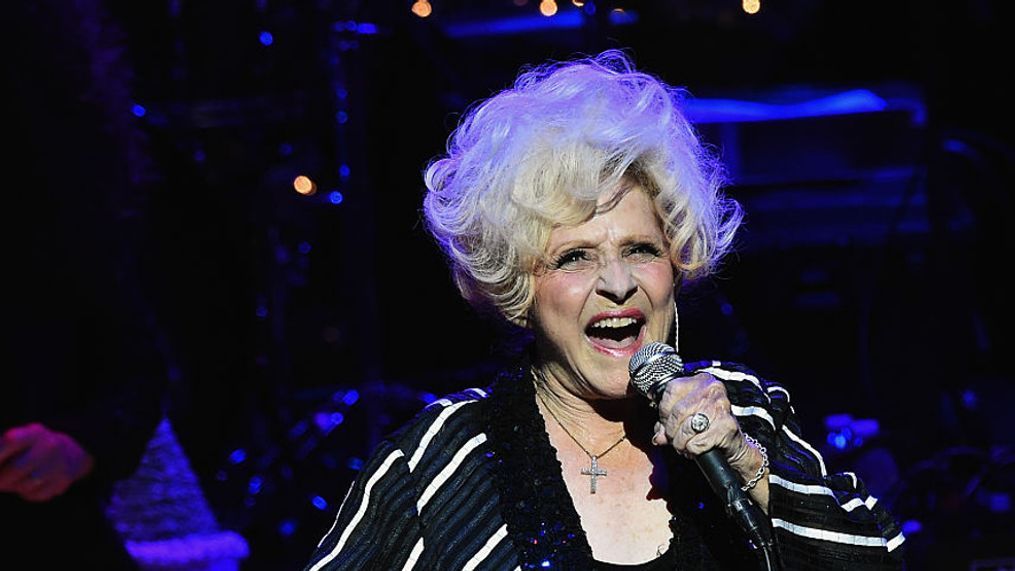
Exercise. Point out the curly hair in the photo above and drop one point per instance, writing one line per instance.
(541, 153)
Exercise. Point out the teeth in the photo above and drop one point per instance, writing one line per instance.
(615, 322)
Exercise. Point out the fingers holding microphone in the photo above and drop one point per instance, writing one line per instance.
(695, 416)
(696, 419)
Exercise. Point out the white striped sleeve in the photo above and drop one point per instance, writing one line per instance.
(754, 411)
(814, 489)
(840, 537)
(820, 519)
(487, 548)
(364, 504)
(808, 447)
(449, 470)
(417, 550)
(432, 431)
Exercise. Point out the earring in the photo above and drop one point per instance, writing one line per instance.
(676, 327)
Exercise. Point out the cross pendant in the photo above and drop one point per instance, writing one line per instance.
(594, 472)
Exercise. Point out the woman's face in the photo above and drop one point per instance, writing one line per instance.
(606, 290)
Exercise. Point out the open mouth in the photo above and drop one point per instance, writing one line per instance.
(615, 332)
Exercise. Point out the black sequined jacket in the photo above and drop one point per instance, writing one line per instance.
(474, 483)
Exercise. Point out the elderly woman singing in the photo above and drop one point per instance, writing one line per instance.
(574, 205)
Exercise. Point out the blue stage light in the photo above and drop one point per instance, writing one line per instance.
(319, 503)
(701, 111)
(287, 528)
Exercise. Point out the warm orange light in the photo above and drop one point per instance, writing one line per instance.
(548, 8)
(422, 8)
(578, 3)
(304, 185)
(752, 6)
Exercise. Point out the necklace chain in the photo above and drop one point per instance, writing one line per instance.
(580, 445)
(568, 432)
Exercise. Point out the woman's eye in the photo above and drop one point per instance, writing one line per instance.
(645, 251)
(572, 259)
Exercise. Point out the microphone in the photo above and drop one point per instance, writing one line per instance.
(652, 368)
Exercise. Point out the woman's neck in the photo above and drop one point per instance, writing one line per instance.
(596, 423)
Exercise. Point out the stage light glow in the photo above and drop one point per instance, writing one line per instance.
(255, 485)
(548, 8)
(238, 456)
(578, 3)
(304, 185)
(287, 528)
(266, 38)
(422, 8)
(752, 6)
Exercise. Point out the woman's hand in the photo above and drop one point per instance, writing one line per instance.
(703, 394)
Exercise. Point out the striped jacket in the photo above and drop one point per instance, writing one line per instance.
(473, 483)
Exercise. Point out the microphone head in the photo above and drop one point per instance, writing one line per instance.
(652, 366)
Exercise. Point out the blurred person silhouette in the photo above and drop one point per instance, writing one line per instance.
(83, 379)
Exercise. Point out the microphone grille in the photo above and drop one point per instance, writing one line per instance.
(654, 364)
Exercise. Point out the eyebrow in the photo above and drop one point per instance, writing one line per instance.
(625, 241)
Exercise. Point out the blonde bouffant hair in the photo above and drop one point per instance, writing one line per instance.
(541, 154)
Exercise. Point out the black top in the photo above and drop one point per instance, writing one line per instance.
(661, 563)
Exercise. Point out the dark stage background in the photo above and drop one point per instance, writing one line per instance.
(867, 141)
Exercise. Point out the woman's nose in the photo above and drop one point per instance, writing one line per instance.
(616, 281)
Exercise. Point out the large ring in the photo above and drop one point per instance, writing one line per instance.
(699, 422)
